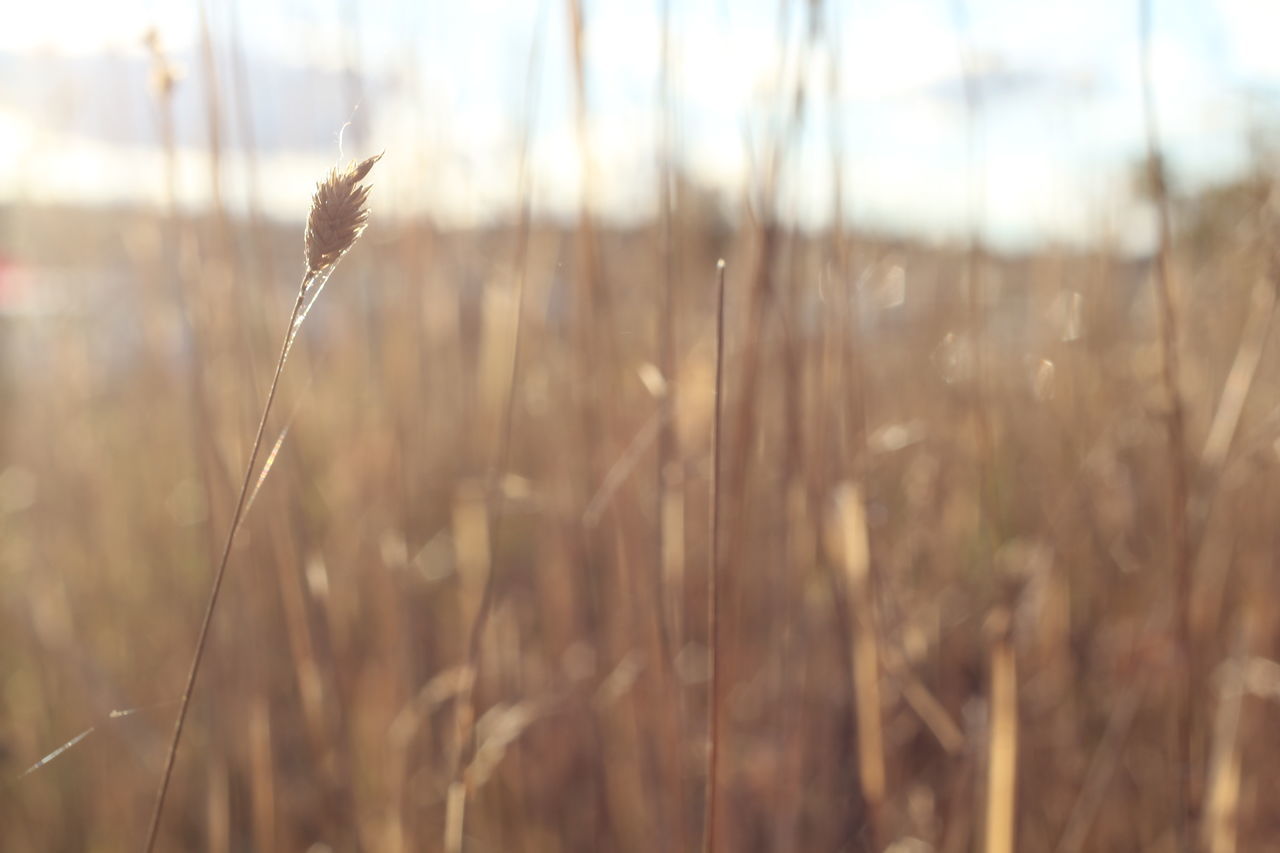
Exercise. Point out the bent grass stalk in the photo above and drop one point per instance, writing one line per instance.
(337, 218)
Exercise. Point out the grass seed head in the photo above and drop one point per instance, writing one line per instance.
(338, 214)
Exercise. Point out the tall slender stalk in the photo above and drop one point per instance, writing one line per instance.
(713, 590)
(668, 581)
(1179, 491)
(337, 218)
(1002, 747)
(852, 520)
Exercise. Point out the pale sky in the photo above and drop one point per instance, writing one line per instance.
(441, 86)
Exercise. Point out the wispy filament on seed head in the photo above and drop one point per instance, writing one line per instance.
(338, 214)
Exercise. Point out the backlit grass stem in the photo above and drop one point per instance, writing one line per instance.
(337, 218)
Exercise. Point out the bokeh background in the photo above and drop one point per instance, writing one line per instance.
(1000, 425)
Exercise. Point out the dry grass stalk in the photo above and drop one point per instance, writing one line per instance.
(1002, 756)
(1222, 800)
(669, 531)
(455, 811)
(218, 808)
(1179, 491)
(336, 220)
(670, 528)
(713, 587)
(672, 511)
(262, 782)
(471, 546)
(927, 707)
(852, 520)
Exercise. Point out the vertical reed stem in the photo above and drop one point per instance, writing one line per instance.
(852, 518)
(1002, 760)
(1180, 540)
(713, 592)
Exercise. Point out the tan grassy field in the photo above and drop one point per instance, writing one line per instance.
(970, 597)
(1013, 480)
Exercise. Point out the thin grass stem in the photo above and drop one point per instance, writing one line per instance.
(203, 640)
(713, 590)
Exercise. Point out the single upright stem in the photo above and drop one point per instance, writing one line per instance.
(1179, 491)
(218, 577)
(667, 581)
(1002, 749)
(713, 592)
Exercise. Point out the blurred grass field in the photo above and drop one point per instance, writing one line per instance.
(992, 424)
